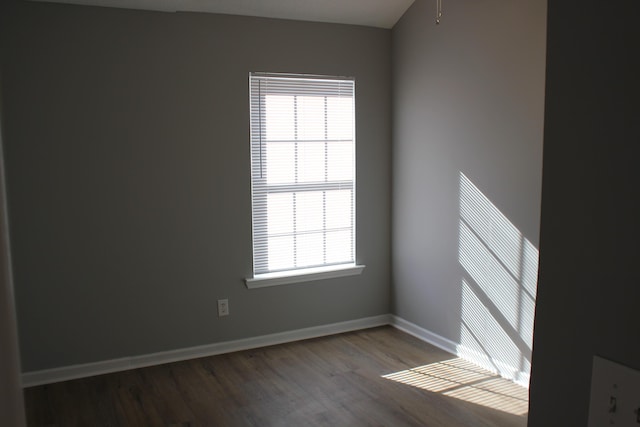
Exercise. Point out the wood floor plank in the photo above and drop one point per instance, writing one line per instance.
(374, 377)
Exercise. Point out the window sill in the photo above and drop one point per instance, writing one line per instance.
(305, 275)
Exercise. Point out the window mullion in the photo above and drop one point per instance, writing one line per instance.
(295, 178)
(326, 178)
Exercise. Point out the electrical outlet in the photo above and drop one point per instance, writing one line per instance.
(223, 307)
(615, 395)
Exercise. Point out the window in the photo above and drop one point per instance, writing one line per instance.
(302, 177)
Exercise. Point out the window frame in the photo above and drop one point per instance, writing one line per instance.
(300, 274)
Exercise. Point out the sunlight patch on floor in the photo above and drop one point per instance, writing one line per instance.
(463, 380)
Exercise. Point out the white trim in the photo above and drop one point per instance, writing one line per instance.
(496, 366)
(303, 275)
(463, 352)
(424, 334)
(47, 376)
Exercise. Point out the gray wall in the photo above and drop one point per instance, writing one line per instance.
(468, 99)
(588, 292)
(127, 149)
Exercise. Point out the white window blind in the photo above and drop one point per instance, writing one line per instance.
(302, 171)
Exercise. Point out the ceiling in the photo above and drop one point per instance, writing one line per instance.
(371, 13)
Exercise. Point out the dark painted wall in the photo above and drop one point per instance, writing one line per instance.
(590, 229)
(127, 153)
(11, 400)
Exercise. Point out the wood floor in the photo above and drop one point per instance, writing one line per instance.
(375, 377)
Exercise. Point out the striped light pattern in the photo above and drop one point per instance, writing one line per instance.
(302, 171)
(498, 287)
(460, 379)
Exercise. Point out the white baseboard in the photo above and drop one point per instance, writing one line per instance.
(424, 334)
(65, 373)
(499, 367)
(471, 355)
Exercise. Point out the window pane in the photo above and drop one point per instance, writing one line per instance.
(311, 164)
(281, 157)
(309, 211)
(339, 160)
(338, 204)
(339, 118)
(280, 253)
(280, 117)
(310, 249)
(339, 246)
(311, 117)
(280, 213)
